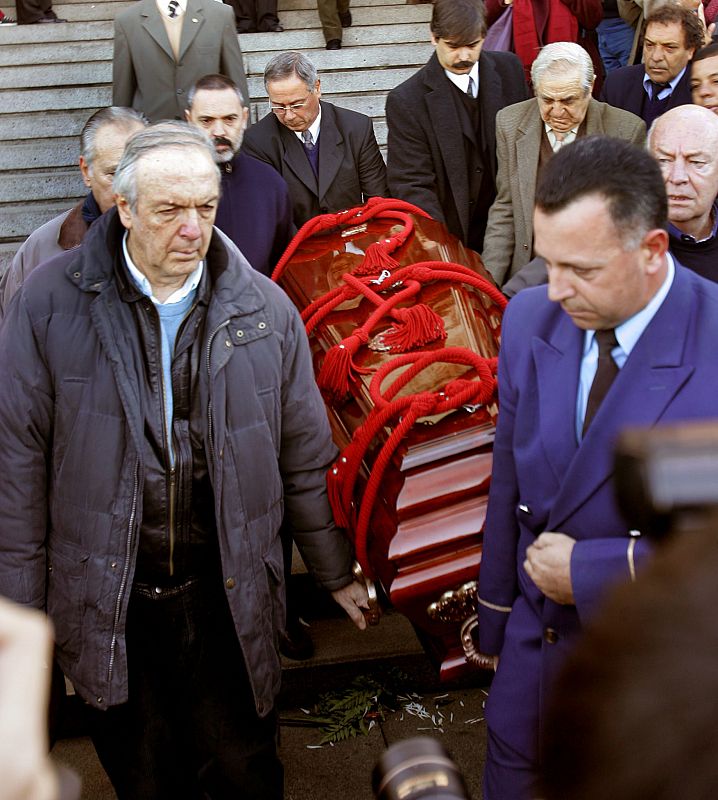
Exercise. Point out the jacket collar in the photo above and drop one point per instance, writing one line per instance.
(654, 373)
(94, 267)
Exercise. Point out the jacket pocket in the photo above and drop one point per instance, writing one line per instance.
(66, 593)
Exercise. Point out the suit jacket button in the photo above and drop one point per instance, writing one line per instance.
(526, 247)
(230, 583)
(550, 636)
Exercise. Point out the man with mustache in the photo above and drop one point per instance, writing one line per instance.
(622, 336)
(442, 120)
(254, 207)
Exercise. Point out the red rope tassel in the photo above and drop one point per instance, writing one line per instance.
(415, 326)
(333, 378)
(376, 259)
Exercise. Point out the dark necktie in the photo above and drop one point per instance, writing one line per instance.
(307, 139)
(173, 6)
(471, 89)
(657, 88)
(605, 373)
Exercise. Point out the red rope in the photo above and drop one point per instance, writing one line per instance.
(458, 392)
(381, 207)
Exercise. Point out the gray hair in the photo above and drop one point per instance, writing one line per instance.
(561, 57)
(289, 64)
(126, 118)
(161, 136)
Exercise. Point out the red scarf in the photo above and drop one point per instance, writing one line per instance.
(559, 25)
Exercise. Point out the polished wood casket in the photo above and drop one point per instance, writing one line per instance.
(411, 401)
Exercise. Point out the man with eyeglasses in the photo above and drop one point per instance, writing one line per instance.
(328, 155)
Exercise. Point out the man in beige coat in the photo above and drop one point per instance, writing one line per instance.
(162, 47)
(527, 135)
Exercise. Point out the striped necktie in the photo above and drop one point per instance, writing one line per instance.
(173, 6)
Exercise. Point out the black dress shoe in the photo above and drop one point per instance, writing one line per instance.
(334, 44)
(276, 28)
(43, 20)
(346, 19)
(296, 643)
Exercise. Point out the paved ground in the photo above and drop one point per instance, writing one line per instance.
(344, 770)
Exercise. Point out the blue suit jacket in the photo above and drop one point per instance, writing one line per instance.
(543, 480)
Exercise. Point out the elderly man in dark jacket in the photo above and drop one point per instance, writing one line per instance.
(158, 415)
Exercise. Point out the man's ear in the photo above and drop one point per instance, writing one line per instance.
(187, 116)
(86, 172)
(123, 209)
(655, 247)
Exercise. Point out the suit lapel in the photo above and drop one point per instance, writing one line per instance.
(152, 23)
(650, 380)
(557, 364)
(194, 19)
(528, 146)
(490, 95)
(296, 159)
(445, 121)
(331, 149)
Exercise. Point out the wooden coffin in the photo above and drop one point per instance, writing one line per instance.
(422, 536)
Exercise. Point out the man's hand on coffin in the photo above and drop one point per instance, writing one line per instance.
(548, 564)
(352, 598)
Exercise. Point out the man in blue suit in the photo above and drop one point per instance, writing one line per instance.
(623, 335)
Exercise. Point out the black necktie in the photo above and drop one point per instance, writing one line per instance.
(605, 373)
(470, 90)
(657, 88)
(174, 5)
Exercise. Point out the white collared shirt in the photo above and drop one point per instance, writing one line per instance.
(627, 335)
(145, 286)
(553, 140)
(462, 81)
(313, 129)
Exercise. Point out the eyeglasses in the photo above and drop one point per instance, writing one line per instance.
(293, 107)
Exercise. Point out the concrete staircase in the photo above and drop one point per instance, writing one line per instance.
(52, 77)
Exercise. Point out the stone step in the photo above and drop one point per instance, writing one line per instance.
(21, 220)
(96, 45)
(22, 101)
(42, 125)
(38, 34)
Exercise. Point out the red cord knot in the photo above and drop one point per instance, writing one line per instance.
(424, 404)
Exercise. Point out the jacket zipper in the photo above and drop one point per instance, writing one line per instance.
(210, 421)
(125, 573)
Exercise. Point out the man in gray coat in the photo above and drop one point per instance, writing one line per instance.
(102, 142)
(528, 134)
(163, 46)
(158, 416)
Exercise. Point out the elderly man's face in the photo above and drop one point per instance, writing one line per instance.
(563, 100)
(170, 230)
(704, 83)
(110, 140)
(664, 51)
(687, 152)
(220, 114)
(457, 58)
(598, 281)
(294, 105)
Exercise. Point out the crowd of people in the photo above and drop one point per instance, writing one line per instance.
(163, 439)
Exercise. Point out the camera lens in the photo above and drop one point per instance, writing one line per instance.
(417, 768)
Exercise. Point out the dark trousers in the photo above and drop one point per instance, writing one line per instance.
(32, 10)
(190, 729)
(254, 15)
